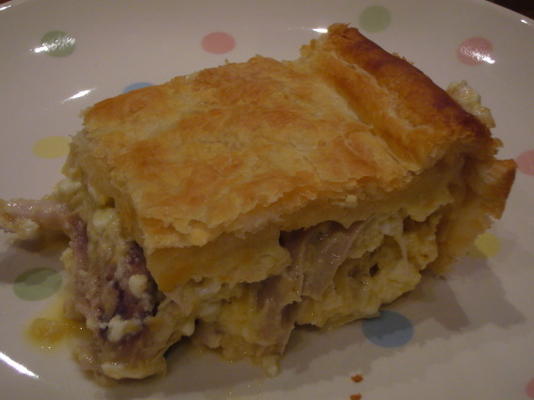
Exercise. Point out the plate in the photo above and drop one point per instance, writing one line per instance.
(470, 336)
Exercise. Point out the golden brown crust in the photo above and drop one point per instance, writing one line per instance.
(418, 120)
(241, 138)
(492, 181)
(489, 184)
(234, 149)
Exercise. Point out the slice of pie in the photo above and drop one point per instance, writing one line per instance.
(237, 203)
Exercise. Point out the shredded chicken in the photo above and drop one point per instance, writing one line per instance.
(116, 295)
(28, 218)
(101, 296)
(318, 252)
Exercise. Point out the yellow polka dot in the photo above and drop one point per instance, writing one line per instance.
(488, 244)
(51, 147)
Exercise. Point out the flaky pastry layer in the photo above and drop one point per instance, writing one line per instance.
(234, 149)
(236, 203)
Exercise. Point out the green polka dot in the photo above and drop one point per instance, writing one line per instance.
(37, 284)
(375, 19)
(57, 43)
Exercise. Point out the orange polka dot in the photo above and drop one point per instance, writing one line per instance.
(218, 42)
(529, 389)
(525, 162)
(474, 51)
(488, 244)
(51, 147)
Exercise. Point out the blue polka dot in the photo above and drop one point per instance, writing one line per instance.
(136, 85)
(391, 329)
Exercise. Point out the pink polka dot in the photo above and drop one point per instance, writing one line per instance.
(218, 42)
(474, 51)
(529, 389)
(525, 162)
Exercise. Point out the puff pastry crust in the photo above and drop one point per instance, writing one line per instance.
(227, 183)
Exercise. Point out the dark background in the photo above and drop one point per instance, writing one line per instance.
(525, 7)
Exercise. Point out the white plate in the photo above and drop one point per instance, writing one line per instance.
(468, 337)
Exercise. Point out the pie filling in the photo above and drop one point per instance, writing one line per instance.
(336, 274)
(331, 274)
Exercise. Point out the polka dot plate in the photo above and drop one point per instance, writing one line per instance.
(470, 336)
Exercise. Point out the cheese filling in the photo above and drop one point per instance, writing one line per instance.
(335, 275)
(324, 275)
